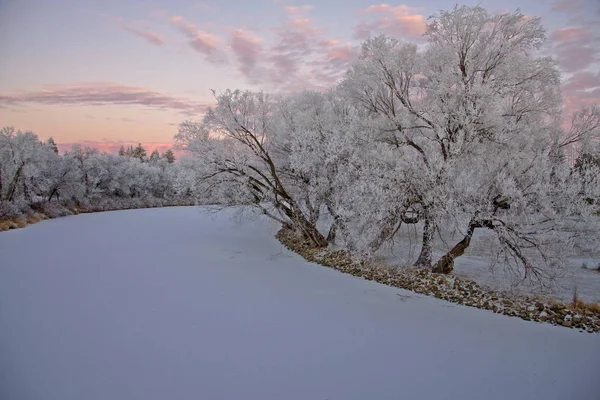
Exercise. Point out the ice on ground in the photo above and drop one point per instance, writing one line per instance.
(176, 303)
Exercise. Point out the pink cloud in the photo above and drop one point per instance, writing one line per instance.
(568, 6)
(342, 52)
(200, 40)
(328, 42)
(132, 28)
(294, 10)
(575, 48)
(576, 58)
(149, 36)
(247, 48)
(580, 90)
(582, 81)
(569, 34)
(104, 94)
(400, 21)
(300, 23)
(204, 42)
(299, 56)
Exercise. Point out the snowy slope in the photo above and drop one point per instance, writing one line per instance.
(175, 303)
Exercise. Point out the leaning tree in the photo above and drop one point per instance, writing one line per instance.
(240, 150)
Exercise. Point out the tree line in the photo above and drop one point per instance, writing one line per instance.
(35, 177)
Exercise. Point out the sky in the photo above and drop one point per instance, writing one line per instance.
(111, 72)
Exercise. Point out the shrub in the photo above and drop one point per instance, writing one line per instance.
(9, 210)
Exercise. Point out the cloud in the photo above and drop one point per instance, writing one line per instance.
(400, 21)
(580, 90)
(576, 48)
(328, 42)
(582, 81)
(297, 55)
(345, 52)
(149, 36)
(133, 28)
(569, 6)
(297, 10)
(104, 94)
(200, 40)
(570, 34)
(248, 50)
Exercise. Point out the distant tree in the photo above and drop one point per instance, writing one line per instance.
(85, 157)
(129, 151)
(154, 157)
(52, 144)
(122, 151)
(139, 152)
(64, 177)
(169, 156)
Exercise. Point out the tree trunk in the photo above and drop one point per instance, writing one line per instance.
(301, 223)
(424, 259)
(52, 193)
(309, 230)
(390, 227)
(13, 185)
(446, 264)
(335, 226)
(333, 230)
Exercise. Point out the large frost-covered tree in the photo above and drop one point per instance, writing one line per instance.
(244, 158)
(476, 121)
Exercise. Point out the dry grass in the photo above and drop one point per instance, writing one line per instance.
(581, 305)
(6, 225)
(36, 217)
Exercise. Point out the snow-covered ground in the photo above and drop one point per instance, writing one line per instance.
(176, 303)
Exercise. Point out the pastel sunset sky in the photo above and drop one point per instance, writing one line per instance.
(117, 72)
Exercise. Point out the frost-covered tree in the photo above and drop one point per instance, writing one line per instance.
(139, 152)
(64, 178)
(169, 156)
(23, 161)
(154, 157)
(475, 120)
(50, 142)
(587, 166)
(239, 144)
